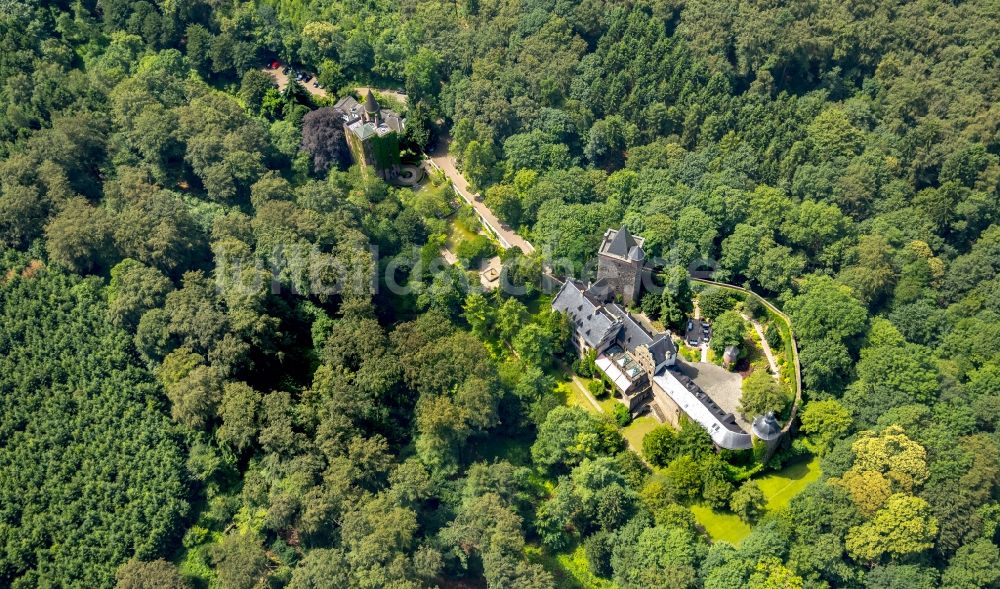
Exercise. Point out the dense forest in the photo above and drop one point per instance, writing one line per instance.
(197, 389)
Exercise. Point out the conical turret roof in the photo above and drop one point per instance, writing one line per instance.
(371, 106)
(766, 427)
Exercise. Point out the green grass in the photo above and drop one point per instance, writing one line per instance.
(457, 234)
(638, 429)
(778, 487)
(781, 486)
(570, 570)
(721, 526)
(575, 396)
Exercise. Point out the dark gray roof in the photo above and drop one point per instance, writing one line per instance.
(622, 244)
(601, 290)
(766, 427)
(350, 109)
(370, 104)
(346, 104)
(633, 334)
(586, 314)
(721, 425)
(393, 121)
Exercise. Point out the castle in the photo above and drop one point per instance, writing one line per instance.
(372, 134)
(641, 365)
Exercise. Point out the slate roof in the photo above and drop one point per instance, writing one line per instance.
(766, 427)
(393, 121)
(721, 426)
(622, 244)
(586, 314)
(371, 105)
(633, 334)
(598, 321)
(349, 108)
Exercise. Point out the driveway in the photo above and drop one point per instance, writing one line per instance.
(392, 94)
(282, 81)
(440, 159)
(722, 386)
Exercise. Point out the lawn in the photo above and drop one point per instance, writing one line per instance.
(721, 526)
(457, 233)
(569, 569)
(778, 487)
(573, 395)
(638, 429)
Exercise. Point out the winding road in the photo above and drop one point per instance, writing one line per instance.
(441, 159)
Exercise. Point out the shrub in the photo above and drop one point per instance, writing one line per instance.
(585, 366)
(474, 250)
(621, 415)
(753, 307)
(596, 388)
(773, 336)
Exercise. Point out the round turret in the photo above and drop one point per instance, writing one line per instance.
(766, 427)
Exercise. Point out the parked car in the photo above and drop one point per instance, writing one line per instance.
(705, 336)
(316, 84)
(690, 325)
(693, 342)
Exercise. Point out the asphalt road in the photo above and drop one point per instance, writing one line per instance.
(447, 164)
(443, 160)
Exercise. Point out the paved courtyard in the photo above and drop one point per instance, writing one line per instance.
(723, 386)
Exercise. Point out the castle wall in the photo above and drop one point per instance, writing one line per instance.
(623, 277)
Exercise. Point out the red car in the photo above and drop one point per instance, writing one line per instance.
(275, 65)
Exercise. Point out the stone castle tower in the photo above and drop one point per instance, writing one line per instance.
(621, 263)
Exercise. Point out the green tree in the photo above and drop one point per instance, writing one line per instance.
(661, 556)
(240, 561)
(422, 75)
(676, 303)
(748, 502)
(825, 421)
(606, 143)
(824, 309)
(134, 289)
(729, 329)
(683, 477)
(511, 316)
(254, 86)
(156, 574)
(713, 302)
(80, 237)
(974, 565)
(659, 446)
(770, 573)
(239, 413)
(570, 434)
(761, 395)
(903, 527)
(477, 162)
